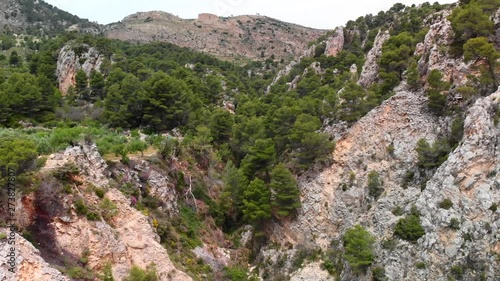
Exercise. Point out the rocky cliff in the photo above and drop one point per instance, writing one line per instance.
(459, 241)
(68, 64)
(250, 37)
(123, 240)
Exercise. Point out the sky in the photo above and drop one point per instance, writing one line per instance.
(323, 14)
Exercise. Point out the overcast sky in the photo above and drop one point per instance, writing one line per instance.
(325, 14)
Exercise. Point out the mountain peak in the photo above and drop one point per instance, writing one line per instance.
(240, 37)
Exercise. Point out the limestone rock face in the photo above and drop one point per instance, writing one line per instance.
(327, 210)
(337, 198)
(470, 179)
(217, 258)
(433, 51)
(369, 72)
(496, 21)
(124, 240)
(142, 175)
(11, 15)
(30, 265)
(207, 18)
(335, 43)
(68, 63)
(312, 272)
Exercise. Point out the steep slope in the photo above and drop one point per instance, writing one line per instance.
(240, 37)
(461, 238)
(125, 239)
(31, 16)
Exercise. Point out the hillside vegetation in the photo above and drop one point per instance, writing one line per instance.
(239, 170)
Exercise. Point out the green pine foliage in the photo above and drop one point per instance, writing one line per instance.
(432, 156)
(257, 203)
(17, 154)
(374, 185)
(285, 192)
(138, 274)
(358, 244)
(409, 228)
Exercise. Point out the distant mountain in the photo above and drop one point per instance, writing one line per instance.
(31, 16)
(240, 37)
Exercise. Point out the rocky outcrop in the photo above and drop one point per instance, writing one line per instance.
(470, 178)
(29, 264)
(127, 238)
(283, 72)
(311, 271)
(496, 21)
(11, 17)
(217, 258)
(249, 37)
(68, 63)
(143, 176)
(207, 18)
(369, 72)
(433, 51)
(309, 53)
(86, 156)
(335, 43)
(337, 198)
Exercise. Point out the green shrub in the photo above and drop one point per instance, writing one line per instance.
(81, 208)
(446, 204)
(430, 157)
(389, 244)
(108, 209)
(151, 202)
(93, 216)
(420, 265)
(66, 172)
(235, 273)
(107, 273)
(17, 154)
(397, 211)
(138, 274)
(454, 224)
(409, 228)
(358, 244)
(390, 149)
(494, 207)
(374, 185)
(77, 272)
(457, 271)
(3, 236)
(99, 192)
(407, 178)
(378, 274)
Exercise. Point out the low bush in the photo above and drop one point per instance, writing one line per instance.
(446, 204)
(409, 228)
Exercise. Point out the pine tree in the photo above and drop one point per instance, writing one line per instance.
(167, 104)
(358, 244)
(471, 21)
(481, 48)
(81, 86)
(286, 194)
(256, 203)
(14, 59)
(259, 158)
(96, 85)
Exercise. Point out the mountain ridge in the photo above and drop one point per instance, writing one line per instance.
(249, 36)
